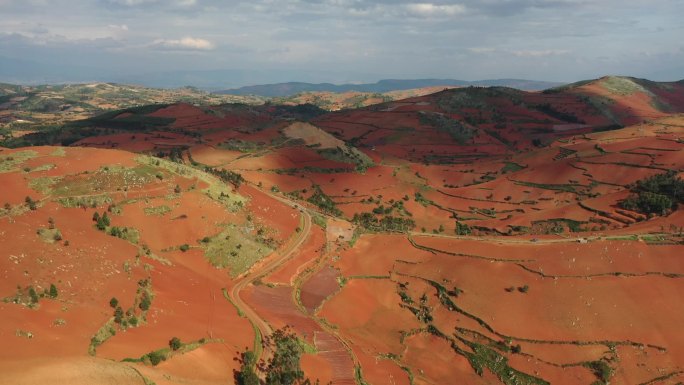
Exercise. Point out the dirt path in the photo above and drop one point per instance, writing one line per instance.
(284, 254)
(329, 345)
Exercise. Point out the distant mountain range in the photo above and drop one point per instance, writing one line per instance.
(293, 88)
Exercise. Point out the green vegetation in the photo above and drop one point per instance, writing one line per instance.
(247, 374)
(420, 198)
(175, 343)
(234, 249)
(601, 370)
(510, 167)
(557, 226)
(11, 162)
(572, 188)
(105, 332)
(129, 234)
(28, 296)
(155, 357)
(483, 357)
(227, 176)
(284, 368)
(241, 146)
(462, 229)
(348, 154)
(560, 115)
(50, 235)
(372, 222)
(323, 201)
(53, 292)
(90, 201)
(319, 221)
(458, 131)
(157, 210)
(217, 190)
(658, 194)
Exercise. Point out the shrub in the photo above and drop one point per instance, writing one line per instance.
(33, 295)
(53, 291)
(113, 302)
(175, 343)
(145, 303)
(184, 247)
(156, 358)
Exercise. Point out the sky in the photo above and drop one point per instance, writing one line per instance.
(350, 40)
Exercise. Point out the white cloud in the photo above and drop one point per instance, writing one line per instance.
(429, 9)
(540, 53)
(122, 27)
(186, 43)
(519, 53)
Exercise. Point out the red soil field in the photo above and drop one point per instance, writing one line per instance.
(518, 259)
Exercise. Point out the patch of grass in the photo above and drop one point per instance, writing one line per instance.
(511, 167)
(323, 201)
(157, 210)
(43, 167)
(558, 225)
(11, 162)
(458, 131)
(319, 220)
(217, 190)
(241, 146)
(234, 249)
(105, 332)
(92, 201)
(348, 155)
(59, 151)
(50, 235)
(572, 188)
(129, 234)
(105, 179)
(601, 370)
(483, 357)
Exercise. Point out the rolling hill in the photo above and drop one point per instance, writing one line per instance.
(382, 86)
(492, 235)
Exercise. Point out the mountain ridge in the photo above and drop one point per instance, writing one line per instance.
(381, 86)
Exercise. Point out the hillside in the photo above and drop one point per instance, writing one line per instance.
(492, 235)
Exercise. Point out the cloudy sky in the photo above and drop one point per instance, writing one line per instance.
(353, 40)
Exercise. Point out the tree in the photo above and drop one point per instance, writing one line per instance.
(118, 314)
(34, 296)
(53, 291)
(246, 375)
(145, 302)
(284, 368)
(113, 302)
(96, 216)
(175, 343)
(155, 358)
(177, 189)
(30, 203)
(101, 225)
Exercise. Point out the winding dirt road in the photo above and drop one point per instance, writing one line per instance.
(283, 255)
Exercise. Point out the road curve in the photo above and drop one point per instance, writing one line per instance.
(249, 278)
